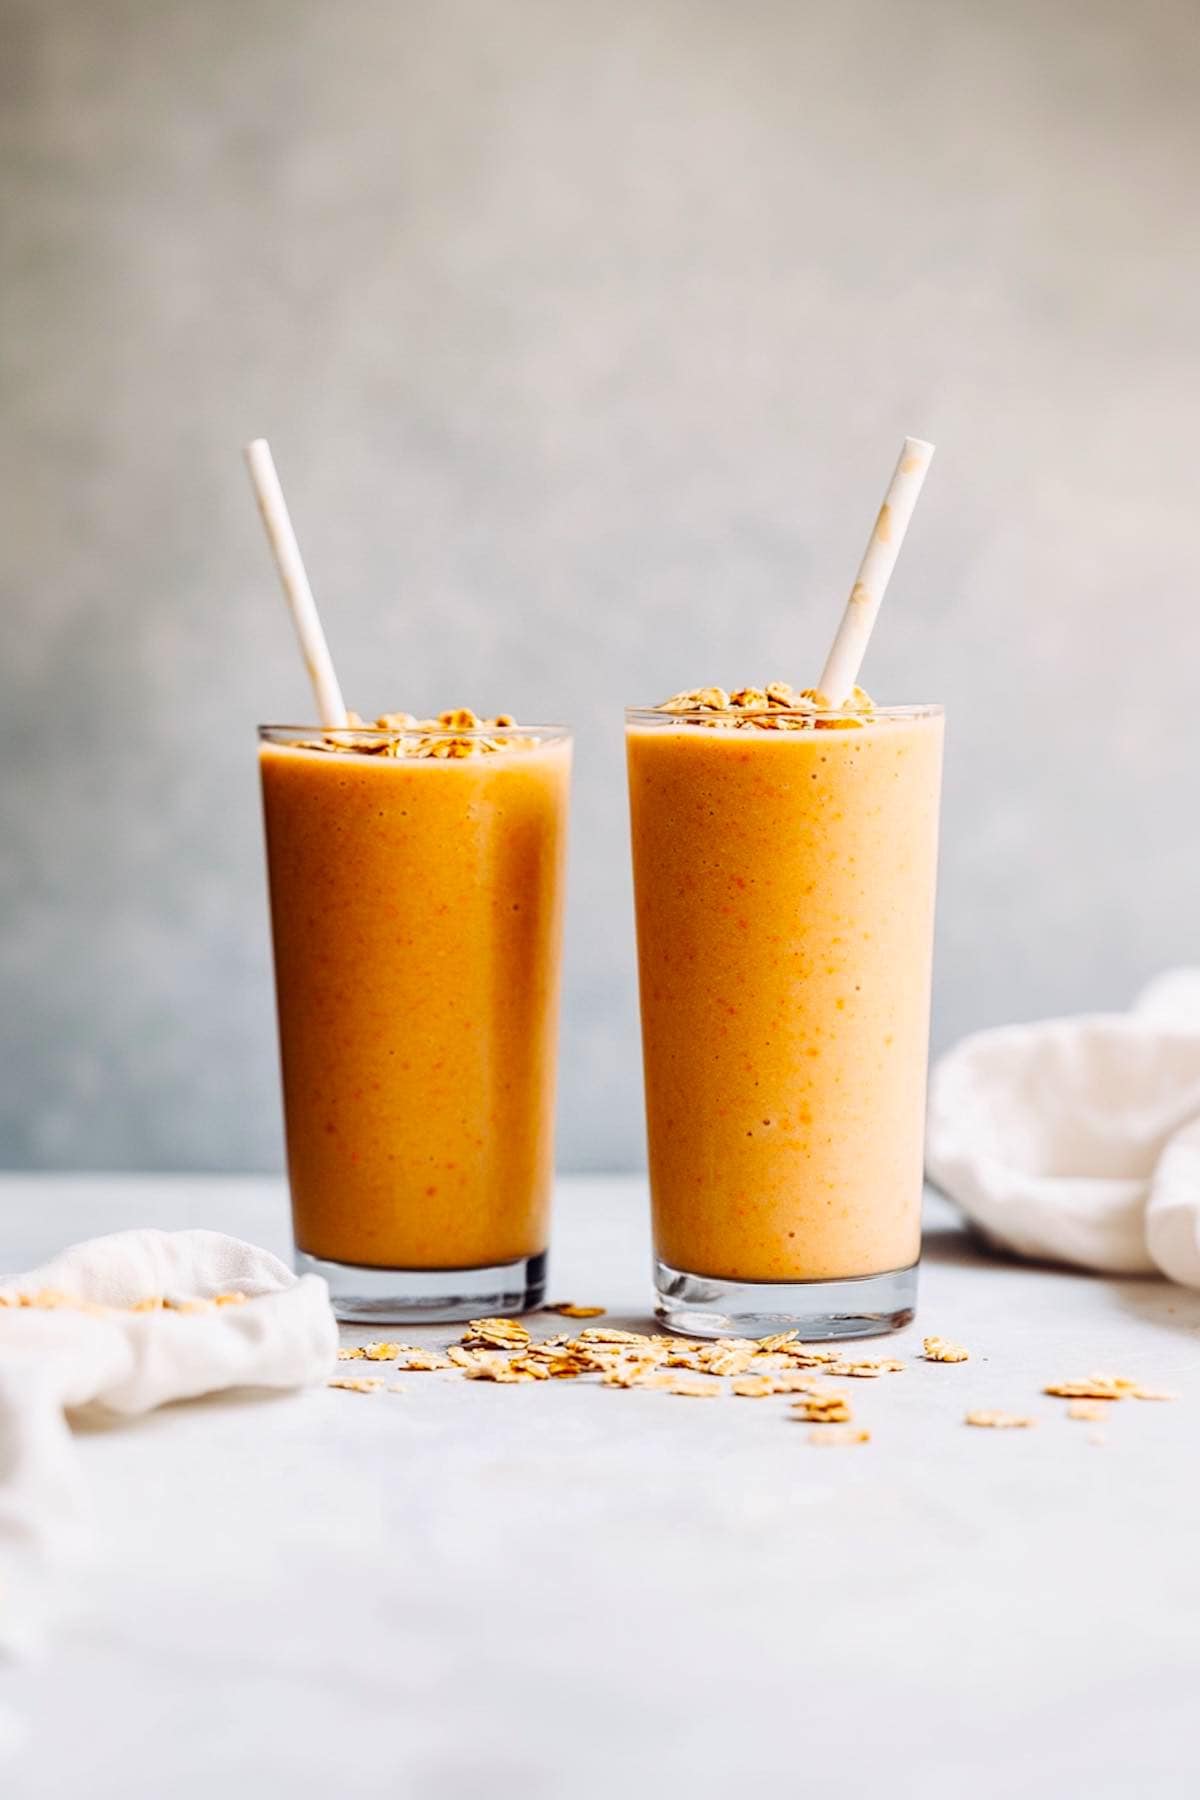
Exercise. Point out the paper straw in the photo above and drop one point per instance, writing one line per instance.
(331, 709)
(875, 571)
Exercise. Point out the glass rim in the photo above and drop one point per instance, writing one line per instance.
(270, 734)
(638, 715)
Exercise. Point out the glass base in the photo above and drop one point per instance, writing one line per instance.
(428, 1296)
(708, 1306)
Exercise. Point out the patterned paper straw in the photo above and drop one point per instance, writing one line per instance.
(331, 708)
(875, 571)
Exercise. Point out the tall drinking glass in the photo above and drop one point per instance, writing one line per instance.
(416, 909)
(784, 885)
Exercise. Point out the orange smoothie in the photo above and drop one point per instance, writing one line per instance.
(785, 872)
(416, 908)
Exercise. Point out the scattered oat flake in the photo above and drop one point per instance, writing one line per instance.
(865, 1370)
(417, 1362)
(1105, 1387)
(780, 1339)
(939, 1349)
(752, 1387)
(1095, 1387)
(558, 1352)
(1133, 1390)
(602, 1356)
(1087, 1409)
(602, 1334)
(499, 1371)
(631, 1374)
(351, 1353)
(808, 1356)
(529, 1368)
(558, 1368)
(50, 1300)
(485, 1359)
(357, 1384)
(382, 1352)
(497, 1334)
(569, 1310)
(647, 1376)
(791, 1381)
(998, 1421)
(834, 1436)
(825, 1409)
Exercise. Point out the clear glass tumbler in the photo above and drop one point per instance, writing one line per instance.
(416, 910)
(784, 883)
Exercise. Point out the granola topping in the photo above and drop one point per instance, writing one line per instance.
(776, 707)
(453, 735)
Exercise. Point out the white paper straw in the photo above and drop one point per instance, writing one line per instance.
(331, 708)
(875, 571)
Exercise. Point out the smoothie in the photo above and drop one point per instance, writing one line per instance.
(416, 879)
(784, 864)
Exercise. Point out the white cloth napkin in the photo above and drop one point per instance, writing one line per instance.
(61, 1362)
(1078, 1140)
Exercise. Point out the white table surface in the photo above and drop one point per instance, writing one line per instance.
(562, 1590)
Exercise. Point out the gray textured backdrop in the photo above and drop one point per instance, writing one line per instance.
(585, 334)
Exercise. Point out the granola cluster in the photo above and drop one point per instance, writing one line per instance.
(776, 707)
(443, 738)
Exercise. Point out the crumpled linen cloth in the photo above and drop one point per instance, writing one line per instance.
(64, 1362)
(1078, 1140)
